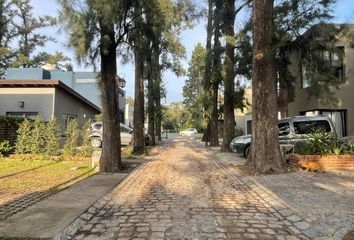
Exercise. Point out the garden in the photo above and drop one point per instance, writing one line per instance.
(40, 160)
(324, 152)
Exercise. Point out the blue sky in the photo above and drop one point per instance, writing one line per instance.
(343, 11)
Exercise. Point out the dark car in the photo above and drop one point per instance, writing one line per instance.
(125, 135)
(291, 130)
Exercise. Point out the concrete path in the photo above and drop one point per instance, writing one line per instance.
(186, 193)
(49, 217)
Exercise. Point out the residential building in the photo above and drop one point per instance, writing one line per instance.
(84, 83)
(47, 98)
(37, 91)
(243, 116)
(129, 112)
(341, 109)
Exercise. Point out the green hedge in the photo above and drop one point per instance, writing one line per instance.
(8, 129)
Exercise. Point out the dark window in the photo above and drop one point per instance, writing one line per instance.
(334, 59)
(307, 127)
(249, 126)
(283, 129)
(66, 120)
(29, 115)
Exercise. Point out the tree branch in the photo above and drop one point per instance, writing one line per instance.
(242, 6)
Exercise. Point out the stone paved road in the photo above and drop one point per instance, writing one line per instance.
(185, 193)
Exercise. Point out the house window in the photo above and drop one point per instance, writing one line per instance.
(29, 115)
(305, 81)
(249, 126)
(335, 60)
(66, 120)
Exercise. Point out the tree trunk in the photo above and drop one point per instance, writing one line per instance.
(229, 80)
(265, 151)
(111, 150)
(208, 60)
(216, 75)
(158, 99)
(151, 101)
(208, 70)
(214, 134)
(138, 131)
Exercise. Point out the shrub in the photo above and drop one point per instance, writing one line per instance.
(319, 143)
(347, 146)
(302, 147)
(86, 149)
(52, 135)
(72, 140)
(5, 148)
(38, 136)
(23, 142)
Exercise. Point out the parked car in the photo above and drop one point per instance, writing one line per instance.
(291, 130)
(125, 135)
(188, 132)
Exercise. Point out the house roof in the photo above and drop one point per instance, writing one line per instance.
(47, 83)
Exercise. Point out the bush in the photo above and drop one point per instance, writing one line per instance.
(5, 148)
(52, 135)
(319, 143)
(72, 141)
(23, 142)
(38, 136)
(8, 129)
(86, 149)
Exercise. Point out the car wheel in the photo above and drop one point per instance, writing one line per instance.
(96, 142)
(247, 151)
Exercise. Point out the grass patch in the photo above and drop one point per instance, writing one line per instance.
(20, 177)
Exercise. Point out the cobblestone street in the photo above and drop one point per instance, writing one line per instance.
(185, 193)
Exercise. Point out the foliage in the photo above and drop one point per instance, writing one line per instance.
(52, 134)
(192, 89)
(291, 19)
(72, 139)
(320, 143)
(5, 148)
(20, 39)
(98, 117)
(23, 143)
(96, 29)
(176, 117)
(318, 66)
(37, 137)
(347, 145)
(86, 148)
(7, 34)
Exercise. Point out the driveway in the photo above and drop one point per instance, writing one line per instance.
(185, 193)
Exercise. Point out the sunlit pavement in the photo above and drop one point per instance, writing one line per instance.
(186, 193)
